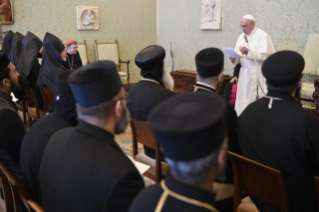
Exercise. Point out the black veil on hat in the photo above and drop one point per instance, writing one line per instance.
(65, 104)
(51, 62)
(209, 62)
(151, 60)
(7, 40)
(31, 45)
(16, 48)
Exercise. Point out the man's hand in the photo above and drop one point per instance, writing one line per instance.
(232, 59)
(243, 50)
(234, 79)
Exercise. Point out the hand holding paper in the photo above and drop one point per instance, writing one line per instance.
(231, 52)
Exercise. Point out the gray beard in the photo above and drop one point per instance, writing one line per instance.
(121, 126)
(167, 79)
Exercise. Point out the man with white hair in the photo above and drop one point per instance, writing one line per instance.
(254, 45)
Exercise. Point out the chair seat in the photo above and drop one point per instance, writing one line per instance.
(123, 76)
(306, 90)
(223, 191)
(141, 157)
(33, 114)
(247, 205)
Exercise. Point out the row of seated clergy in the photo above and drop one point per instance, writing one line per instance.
(151, 90)
(277, 132)
(23, 54)
(12, 129)
(37, 138)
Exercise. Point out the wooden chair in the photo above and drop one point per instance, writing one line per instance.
(6, 190)
(259, 180)
(19, 195)
(23, 108)
(47, 98)
(141, 133)
(317, 187)
(110, 51)
(34, 113)
(83, 51)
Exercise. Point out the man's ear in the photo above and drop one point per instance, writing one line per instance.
(118, 109)
(196, 70)
(220, 76)
(6, 82)
(222, 158)
(299, 83)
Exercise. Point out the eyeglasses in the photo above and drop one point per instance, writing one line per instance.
(245, 26)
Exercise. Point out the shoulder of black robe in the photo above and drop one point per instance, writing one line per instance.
(7, 40)
(51, 62)
(31, 45)
(16, 47)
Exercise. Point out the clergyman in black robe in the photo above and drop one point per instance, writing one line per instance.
(52, 56)
(16, 47)
(73, 59)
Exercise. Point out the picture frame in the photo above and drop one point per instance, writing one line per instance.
(212, 15)
(88, 18)
(6, 13)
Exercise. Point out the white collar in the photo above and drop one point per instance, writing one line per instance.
(207, 85)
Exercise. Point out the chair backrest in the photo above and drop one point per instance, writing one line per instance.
(317, 187)
(82, 48)
(30, 95)
(107, 51)
(259, 180)
(19, 195)
(47, 98)
(141, 133)
(6, 190)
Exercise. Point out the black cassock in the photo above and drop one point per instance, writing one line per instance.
(231, 125)
(7, 41)
(285, 137)
(51, 62)
(83, 169)
(12, 132)
(73, 61)
(144, 96)
(193, 199)
(33, 146)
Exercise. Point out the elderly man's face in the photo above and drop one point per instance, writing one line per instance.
(73, 49)
(247, 25)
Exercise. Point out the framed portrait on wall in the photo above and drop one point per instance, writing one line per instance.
(87, 18)
(212, 15)
(6, 12)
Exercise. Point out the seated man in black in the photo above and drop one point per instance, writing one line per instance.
(53, 55)
(36, 140)
(83, 168)
(277, 132)
(73, 59)
(12, 128)
(209, 68)
(7, 41)
(190, 128)
(155, 86)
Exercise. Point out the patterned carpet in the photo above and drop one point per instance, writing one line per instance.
(124, 140)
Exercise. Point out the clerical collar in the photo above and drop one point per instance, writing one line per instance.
(150, 80)
(207, 85)
(276, 95)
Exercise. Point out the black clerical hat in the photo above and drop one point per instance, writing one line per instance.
(4, 61)
(64, 90)
(283, 68)
(209, 62)
(150, 57)
(95, 83)
(189, 126)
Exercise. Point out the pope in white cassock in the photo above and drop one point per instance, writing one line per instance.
(259, 47)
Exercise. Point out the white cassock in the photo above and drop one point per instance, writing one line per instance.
(261, 46)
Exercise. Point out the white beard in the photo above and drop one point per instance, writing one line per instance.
(167, 79)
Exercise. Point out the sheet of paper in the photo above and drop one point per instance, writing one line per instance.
(141, 167)
(231, 52)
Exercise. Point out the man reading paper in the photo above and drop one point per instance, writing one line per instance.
(253, 54)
